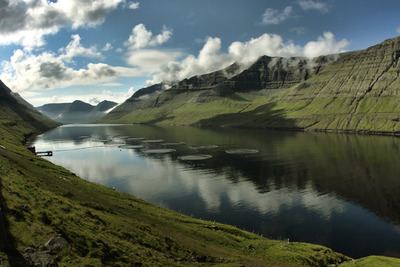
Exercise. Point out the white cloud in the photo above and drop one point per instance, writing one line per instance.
(75, 49)
(274, 16)
(27, 22)
(142, 38)
(324, 45)
(26, 71)
(111, 84)
(142, 55)
(398, 30)
(134, 5)
(150, 60)
(314, 5)
(211, 58)
(107, 47)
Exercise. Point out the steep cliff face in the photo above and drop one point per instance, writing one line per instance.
(278, 73)
(356, 91)
(359, 92)
(266, 73)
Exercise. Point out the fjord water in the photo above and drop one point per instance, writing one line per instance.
(338, 190)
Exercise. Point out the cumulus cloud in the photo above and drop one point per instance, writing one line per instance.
(274, 16)
(75, 49)
(142, 52)
(142, 38)
(314, 5)
(107, 47)
(211, 58)
(324, 45)
(26, 22)
(398, 30)
(49, 70)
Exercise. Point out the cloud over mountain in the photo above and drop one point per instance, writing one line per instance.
(212, 58)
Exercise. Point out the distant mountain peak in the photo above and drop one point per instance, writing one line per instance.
(77, 111)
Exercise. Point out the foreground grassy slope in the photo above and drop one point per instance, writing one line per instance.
(104, 227)
(40, 200)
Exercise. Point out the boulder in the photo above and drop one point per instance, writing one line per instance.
(57, 244)
(38, 258)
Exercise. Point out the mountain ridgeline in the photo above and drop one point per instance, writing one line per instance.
(350, 92)
(77, 111)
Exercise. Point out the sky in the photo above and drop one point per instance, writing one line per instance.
(93, 50)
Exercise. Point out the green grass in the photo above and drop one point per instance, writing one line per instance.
(107, 227)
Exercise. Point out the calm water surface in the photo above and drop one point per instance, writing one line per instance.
(341, 191)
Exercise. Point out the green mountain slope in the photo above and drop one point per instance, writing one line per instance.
(352, 92)
(99, 226)
(19, 117)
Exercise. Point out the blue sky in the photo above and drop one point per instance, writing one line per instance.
(60, 51)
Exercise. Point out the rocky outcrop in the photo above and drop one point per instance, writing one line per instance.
(44, 256)
(278, 73)
(266, 73)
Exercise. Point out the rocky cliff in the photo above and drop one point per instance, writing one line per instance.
(353, 92)
(360, 92)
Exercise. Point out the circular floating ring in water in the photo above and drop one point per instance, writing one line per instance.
(195, 157)
(153, 141)
(173, 144)
(158, 151)
(241, 151)
(134, 138)
(121, 136)
(131, 146)
(203, 147)
(84, 136)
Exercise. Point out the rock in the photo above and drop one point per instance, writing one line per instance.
(41, 258)
(57, 244)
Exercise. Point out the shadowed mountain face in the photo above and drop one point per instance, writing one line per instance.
(19, 114)
(351, 92)
(77, 111)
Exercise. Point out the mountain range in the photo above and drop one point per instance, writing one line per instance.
(355, 91)
(77, 111)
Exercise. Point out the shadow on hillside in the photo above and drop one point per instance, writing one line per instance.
(266, 116)
(160, 119)
(7, 241)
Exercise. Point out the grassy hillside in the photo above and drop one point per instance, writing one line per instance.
(101, 226)
(357, 93)
(104, 227)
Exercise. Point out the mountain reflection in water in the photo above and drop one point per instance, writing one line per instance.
(337, 190)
